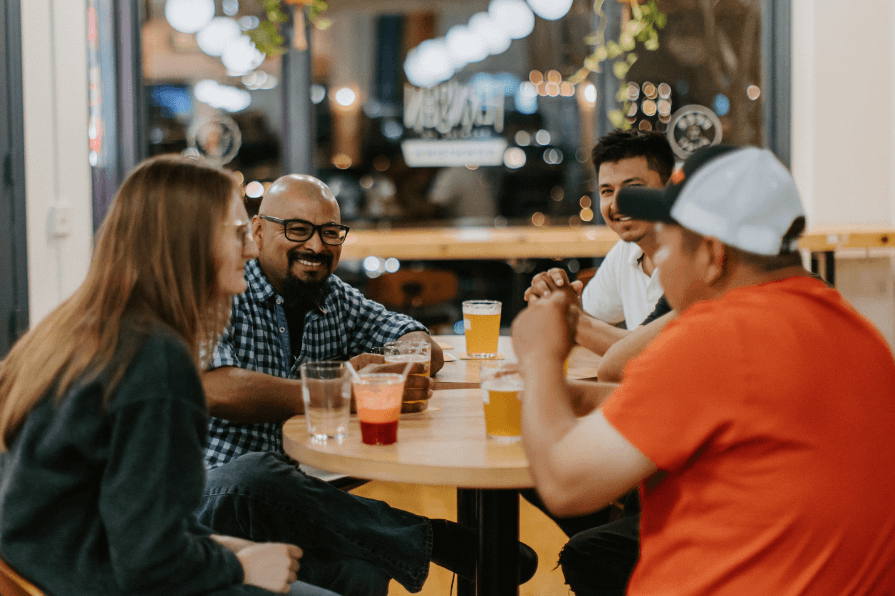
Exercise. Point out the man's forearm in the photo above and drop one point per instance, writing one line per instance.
(547, 416)
(596, 335)
(246, 396)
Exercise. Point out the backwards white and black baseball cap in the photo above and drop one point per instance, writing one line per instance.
(743, 196)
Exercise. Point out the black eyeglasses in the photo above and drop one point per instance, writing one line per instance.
(299, 230)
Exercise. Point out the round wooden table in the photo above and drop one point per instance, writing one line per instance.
(444, 445)
(463, 374)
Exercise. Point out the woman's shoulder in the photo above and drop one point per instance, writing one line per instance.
(160, 363)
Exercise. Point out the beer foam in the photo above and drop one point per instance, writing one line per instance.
(481, 309)
(505, 383)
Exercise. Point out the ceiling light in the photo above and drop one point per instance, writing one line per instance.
(464, 46)
(496, 39)
(514, 16)
(550, 10)
(216, 35)
(189, 16)
(241, 56)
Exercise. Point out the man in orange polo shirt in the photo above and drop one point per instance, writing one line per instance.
(754, 423)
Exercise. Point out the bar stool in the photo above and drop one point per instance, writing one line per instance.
(13, 584)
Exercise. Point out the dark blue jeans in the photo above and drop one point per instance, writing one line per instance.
(351, 545)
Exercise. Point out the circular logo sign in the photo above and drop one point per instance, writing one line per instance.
(216, 139)
(692, 127)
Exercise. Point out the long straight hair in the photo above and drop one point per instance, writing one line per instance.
(155, 257)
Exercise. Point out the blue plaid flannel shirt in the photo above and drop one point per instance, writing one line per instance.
(258, 340)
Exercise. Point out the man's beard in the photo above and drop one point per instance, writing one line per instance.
(306, 295)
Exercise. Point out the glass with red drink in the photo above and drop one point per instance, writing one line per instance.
(378, 397)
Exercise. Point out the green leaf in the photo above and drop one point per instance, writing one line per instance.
(591, 63)
(631, 59)
(579, 76)
(620, 69)
(277, 16)
(626, 42)
(617, 119)
(323, 24)
(634, 27)
(652, 44)
(613, 50)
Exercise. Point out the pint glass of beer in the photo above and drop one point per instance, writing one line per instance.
(409, 351)
(502, 397)
(402, 352)
(481, 325)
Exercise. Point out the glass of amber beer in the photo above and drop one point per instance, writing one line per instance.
(402, 352)
(409, 351)
(502, 397)
(481, 325)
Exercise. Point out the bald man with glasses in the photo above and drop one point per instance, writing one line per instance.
(296, 310)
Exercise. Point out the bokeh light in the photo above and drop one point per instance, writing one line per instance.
(514, 16)
(550, 10)
(254, 189)
(189, 16)
(217, 35)
(514, 158)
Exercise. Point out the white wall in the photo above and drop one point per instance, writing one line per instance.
(843, 136)
(54, 65)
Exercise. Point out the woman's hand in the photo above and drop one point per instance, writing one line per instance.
(271, 566)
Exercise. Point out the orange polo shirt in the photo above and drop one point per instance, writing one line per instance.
(770, 413)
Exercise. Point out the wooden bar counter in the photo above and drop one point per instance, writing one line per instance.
(532, 242)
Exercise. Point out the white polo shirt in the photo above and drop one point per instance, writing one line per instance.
(620, 290)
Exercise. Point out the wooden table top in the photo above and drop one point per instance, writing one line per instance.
(460, 374)
(533, 242)
(444, 445)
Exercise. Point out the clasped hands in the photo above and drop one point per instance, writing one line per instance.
(549, 282)
(545, 330)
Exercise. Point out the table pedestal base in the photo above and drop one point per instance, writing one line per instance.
(495, 514)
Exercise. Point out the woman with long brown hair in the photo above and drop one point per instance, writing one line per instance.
(103, 416)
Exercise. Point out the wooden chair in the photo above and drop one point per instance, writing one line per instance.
(424, 294)
(13, 584)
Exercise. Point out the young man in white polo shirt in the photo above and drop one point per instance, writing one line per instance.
(626, 286)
